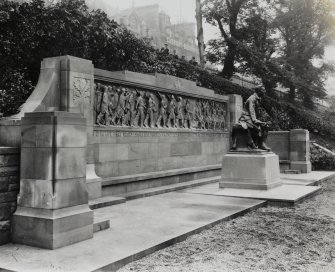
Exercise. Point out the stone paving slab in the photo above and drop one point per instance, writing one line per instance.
(137, 228)
(307, 179)
(285, 195)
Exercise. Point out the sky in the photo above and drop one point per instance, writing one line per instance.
(184, 11)
(178, 10)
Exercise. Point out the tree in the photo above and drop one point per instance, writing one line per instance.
(200, 33)
(305, 28)
(276, 40)
(226, 14)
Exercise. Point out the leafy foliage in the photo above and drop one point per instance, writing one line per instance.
(322, 160)
(276, 40)
(32, 31)
(14, 90)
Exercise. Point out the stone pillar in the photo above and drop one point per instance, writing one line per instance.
(53, 206)
(300, 150)
(77, 95)
(235, 108)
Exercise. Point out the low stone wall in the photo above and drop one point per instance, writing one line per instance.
(279, 141)
(120, 152)
(293, 149)
(9, 189)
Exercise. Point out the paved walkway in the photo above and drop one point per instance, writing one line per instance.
(138, 227)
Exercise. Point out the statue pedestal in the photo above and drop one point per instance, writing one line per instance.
(250, 170)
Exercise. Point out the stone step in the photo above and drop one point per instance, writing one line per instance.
(291, 171)
(169, 188)
(105, 201)
(99, 225)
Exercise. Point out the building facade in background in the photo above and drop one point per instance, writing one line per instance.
(150, 22)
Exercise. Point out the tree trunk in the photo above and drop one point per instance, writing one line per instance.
(269, 86)
(228, 68)
(292, 94)
(200, 33)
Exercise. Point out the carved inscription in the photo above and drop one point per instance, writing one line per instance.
(117, 105)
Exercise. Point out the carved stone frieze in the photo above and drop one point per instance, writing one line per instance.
(117, 105)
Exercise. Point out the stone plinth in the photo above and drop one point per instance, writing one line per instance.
(250, 170)
(53, 201)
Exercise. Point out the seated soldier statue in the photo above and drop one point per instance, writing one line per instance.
(254, 131)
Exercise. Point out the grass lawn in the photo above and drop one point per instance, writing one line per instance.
(301, 238)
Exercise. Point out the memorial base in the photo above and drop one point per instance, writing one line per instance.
(250, 170)
(52, 229)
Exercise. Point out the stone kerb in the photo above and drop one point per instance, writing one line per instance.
(53, 201)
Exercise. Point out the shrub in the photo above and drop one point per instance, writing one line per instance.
(14, 90)
(322, 160)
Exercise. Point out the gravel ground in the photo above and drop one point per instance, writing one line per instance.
(301, 238)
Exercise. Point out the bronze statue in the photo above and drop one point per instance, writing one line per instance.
(250, 129)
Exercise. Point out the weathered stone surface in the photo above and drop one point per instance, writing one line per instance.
(279, 142)
(9, 159)
(8, 197)
(53, 203)
(5, 211)
(54, 228)
(4, 232)
(13, 187)
(9, 171)
(250, 171)
(14, 179)
(4, 181)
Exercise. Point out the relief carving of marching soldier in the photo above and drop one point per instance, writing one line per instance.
(140, 108)
(121, 107)
(151, 111)
(162, 115)
(222, 117)
(103, 111)
(97, 100)
(131, 105)
(188, 114)
(112, 105)
(199, 118)
(180, 113)
(172, 109)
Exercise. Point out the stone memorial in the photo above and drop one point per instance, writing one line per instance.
(250, 164)
(87, 134)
